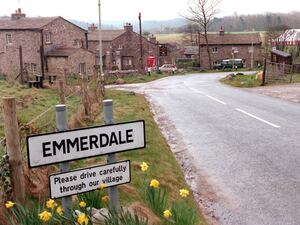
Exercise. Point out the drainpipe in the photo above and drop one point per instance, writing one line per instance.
(42, 55)
(86, 40)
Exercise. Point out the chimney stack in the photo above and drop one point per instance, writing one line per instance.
(128, 27)
(152, 39)
(92, 28)
(18, 14)
(221, 32)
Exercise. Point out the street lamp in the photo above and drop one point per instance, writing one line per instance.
(100, 74)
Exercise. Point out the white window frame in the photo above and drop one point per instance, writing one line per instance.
(82, 68)
(48, 38)
(8, 39)
(33, 68)
(215, 50)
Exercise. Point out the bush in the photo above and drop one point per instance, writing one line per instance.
(93, 199)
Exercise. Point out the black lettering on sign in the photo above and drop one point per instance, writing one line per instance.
(113, 139)
(129, 138)
(84, 143)
(59, 146)
(46, 149)
(103, 140)
(94, 141)
(74, 144)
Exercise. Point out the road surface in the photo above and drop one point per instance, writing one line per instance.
(245, 145)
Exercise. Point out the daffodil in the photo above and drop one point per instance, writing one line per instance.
(45, 216)
(184, 193)
(59, 210)
(144, 167)
(102, 186)
(51, 204)
(82, 219)
(82, 204)
(167, 214)
(154, 183)
(105, 199)
(9, 204)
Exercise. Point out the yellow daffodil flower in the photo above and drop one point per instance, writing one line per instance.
(144, 167)
(45, 216)
(102, 186)
(82, 219)
(154, 183)
(184, 193)
(59, 210)
(51, 204)
(82, 204)
(167, 214)
(9, 204)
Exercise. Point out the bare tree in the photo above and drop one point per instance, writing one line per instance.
(202, 12)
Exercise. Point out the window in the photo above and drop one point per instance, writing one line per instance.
(215, 50)
(78, 43)
(33, 68)
(8, 39)
(82, 68)
(120, 47)
(48, 38)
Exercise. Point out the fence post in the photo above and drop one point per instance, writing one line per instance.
(264, 73)
(62, 98)
(85, 97)
(13, 148)
(111, 158)
(62, 125)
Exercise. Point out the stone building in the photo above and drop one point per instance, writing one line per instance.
(227, 46)
(121, 48)
(43, 45)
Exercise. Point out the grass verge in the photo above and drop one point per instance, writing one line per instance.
(32, 102)
(162, 163)
(243, 81)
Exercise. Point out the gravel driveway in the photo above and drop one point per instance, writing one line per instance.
(289, 92)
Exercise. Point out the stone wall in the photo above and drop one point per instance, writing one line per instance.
(10, 57)
(70, 65)
(63, 33)
(224, 52)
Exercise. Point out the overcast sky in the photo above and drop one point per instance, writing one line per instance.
(86, 10)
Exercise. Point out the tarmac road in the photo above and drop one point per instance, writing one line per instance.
(247, 145)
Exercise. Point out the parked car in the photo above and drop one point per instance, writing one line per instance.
(228, 64)
(168, 68)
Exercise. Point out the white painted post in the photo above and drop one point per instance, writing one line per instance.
(111, 158)
(62, 125)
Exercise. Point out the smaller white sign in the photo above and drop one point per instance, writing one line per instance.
(89, 179)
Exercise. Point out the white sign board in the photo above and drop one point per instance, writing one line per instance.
(51, 148)
(89, 179)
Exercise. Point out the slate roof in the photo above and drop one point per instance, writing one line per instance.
(107, 35)
(281, 53)
(65, 51)
(232, 39)
(289, 37)
(28, 23)
(191, 50)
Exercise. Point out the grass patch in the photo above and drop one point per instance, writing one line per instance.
(139, 78)
(32, 102)
(244, 81)
(162, 163)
